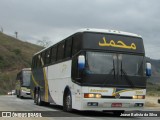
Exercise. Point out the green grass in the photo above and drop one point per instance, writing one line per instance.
(153, 89)
(14, 55)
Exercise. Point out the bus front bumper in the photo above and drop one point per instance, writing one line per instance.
(26, 94)
(112, 104)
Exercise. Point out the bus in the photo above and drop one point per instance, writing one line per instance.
(93, 69)
(23, 83)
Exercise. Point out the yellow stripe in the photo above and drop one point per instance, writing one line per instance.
(45, 80)
(124, 91)
(114, 90)
(46, 85)
(35, 81)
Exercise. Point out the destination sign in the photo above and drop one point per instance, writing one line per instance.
(112, 42)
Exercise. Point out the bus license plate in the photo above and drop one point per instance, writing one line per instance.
(116, 104)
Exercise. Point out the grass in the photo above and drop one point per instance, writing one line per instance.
(15, 55)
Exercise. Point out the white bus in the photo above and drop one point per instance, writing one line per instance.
(93, 69)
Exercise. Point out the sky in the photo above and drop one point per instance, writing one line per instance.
(53, 20)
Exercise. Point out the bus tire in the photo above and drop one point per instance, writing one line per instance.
(46, 103)
(20, 95)
(39, 101)
(67, 103)
(17, 94)
(36, 97)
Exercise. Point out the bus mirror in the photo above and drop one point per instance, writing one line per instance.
(81, 62)
(148, 69)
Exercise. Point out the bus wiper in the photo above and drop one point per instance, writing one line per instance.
(125, 76)
(112, 70)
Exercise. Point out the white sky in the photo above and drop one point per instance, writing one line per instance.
(56, 19)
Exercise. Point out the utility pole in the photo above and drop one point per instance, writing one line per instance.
(16, 33)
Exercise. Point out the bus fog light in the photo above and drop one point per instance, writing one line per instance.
(138, 97)
(92, 104)
(138, 104)
(24, 91)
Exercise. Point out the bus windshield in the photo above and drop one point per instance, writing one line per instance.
(26, 78)
(107, 63)
(99, 63)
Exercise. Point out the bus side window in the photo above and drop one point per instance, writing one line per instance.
(53, 54)
(47, 56)
(76, 44)
(60, 53)
(75, 67)
(33, 61)
(39, 64)
(68, 49)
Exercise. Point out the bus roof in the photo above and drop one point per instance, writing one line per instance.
(93, 30)
(108, 31)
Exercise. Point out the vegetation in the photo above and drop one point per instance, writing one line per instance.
(153, 89)
(14, 55)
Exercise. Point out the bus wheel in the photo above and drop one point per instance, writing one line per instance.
(36, 98)
(39, 102)
(67, 106)
(20, 95)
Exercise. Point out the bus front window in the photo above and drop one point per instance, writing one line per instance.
(26, 78)
(99, 63)
(132, 64)
(109, 63)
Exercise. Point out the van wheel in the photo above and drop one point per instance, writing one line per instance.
(67, 103)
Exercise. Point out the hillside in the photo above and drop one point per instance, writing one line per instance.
(14, 55)
(153, 85)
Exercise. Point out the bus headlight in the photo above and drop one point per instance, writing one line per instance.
(92, 95)
(24, 90)
(138, 97)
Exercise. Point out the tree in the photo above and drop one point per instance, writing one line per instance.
(44, 42)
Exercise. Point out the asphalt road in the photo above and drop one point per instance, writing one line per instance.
(12, 103)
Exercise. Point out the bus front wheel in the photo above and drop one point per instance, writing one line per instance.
(67, 106)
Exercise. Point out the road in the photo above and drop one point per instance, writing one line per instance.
(12, 103)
